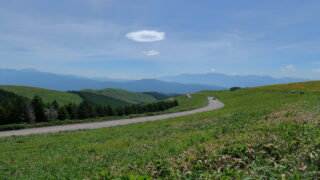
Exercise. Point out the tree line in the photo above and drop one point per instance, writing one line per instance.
(22, 110)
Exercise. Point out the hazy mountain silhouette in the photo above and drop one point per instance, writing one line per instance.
(223, 80)
(31, 77)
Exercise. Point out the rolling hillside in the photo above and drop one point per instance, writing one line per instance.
(127, 96)
(310, 86)
(160, 96)
(261, 133)
(47, 95)
(97, 99)
(6, 96)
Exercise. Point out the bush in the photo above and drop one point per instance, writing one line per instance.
(235, 88)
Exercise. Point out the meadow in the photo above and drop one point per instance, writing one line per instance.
(260, 133)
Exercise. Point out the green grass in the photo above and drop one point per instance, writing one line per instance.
(97, 99)
(261, 133)
(197, 100)
(127, 96)
(47, 95)
(311, 86)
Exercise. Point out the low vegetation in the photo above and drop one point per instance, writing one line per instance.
(235, 88)
(262, 133)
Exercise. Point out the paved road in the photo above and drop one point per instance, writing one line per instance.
(213, 104)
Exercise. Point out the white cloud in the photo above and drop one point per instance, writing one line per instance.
(212, 70)
(289, 67)
(151, 53)
(146, 36)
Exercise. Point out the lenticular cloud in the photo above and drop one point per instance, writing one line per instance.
(146, 36)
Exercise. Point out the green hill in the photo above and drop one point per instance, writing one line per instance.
(6, 96)
(310, 86)
(97, 99)
(47, 95)
(261, 133)
(160, 96)
(127, 96)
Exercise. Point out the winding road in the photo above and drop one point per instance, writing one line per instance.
(213, 105)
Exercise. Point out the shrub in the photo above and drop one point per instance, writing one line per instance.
(235, 88)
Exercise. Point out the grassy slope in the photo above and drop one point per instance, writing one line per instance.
(46, 94)
(130, 97)
(6, 97)
(197, 100)
(260, 133)
(313, 86)
(97, 99)
(159, 96)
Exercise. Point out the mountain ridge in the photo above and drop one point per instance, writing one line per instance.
(224, 80)
(59, 82)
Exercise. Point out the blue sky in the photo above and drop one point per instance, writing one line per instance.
(152, 38)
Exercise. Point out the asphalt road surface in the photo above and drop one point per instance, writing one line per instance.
(213, 105)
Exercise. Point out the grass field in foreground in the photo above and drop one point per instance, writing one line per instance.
(261, 133)
(47, 95)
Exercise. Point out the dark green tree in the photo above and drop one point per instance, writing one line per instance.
(38, 108)
(55, 105)
(17, 111)
(110, 111)
(63, 114)
(83, 110)
(134, 109)
(119, 111)
(5, 111)
(86, 110)
(235, 88)
(2, 115)
(72, 111)
(92, 111)
(175, 103)
(30, 112)
(100, 110)
(127, 110)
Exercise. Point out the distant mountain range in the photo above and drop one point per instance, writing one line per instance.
(30, 77)
(184, 83)
(228, 81)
